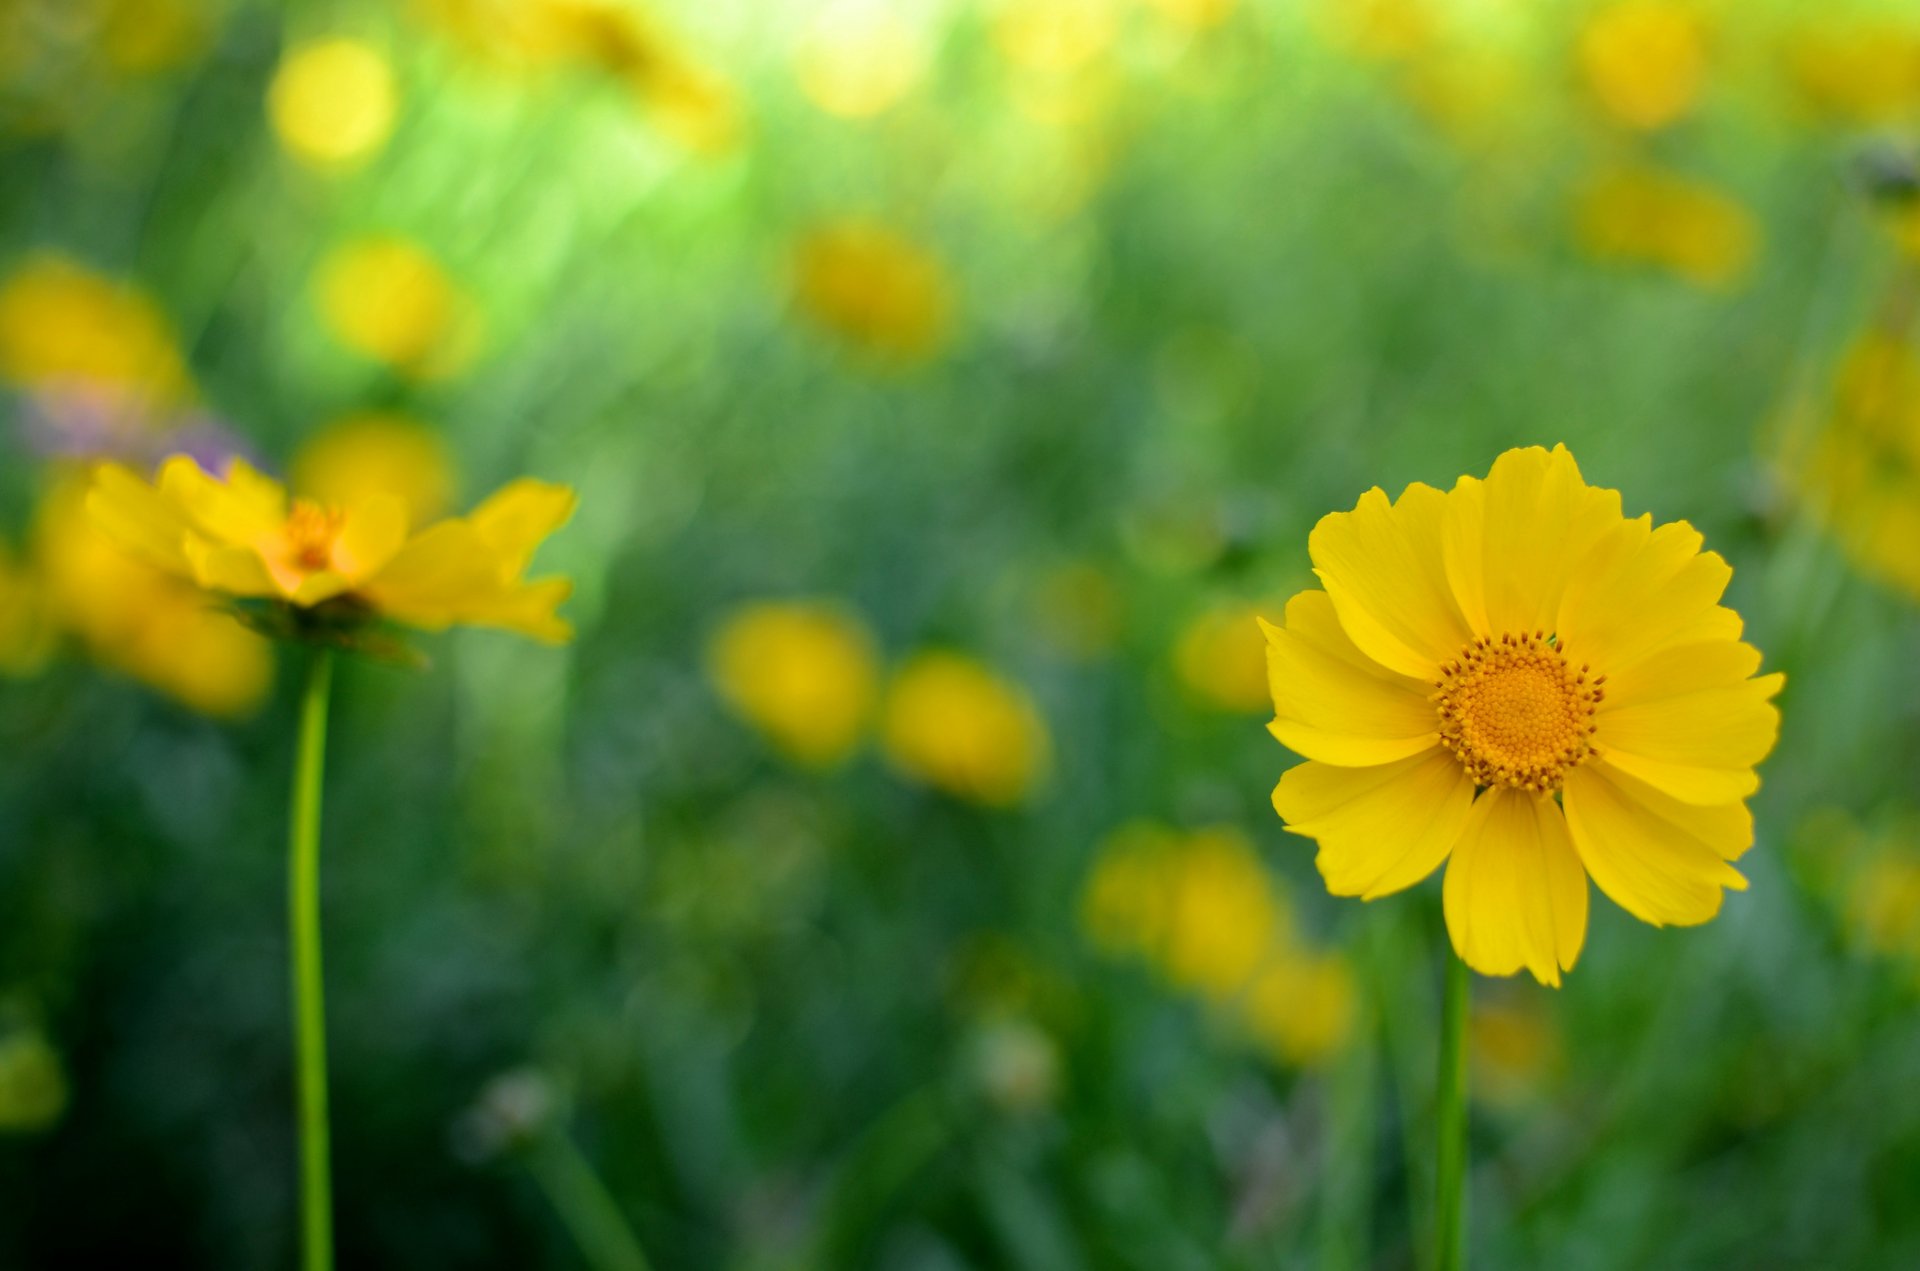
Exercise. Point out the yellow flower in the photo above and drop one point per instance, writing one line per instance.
(64, 325)
(1302, 1007)
(1124, 908)
(141, 621)
(1515, 1049)
(378, 452)
(1648, 217)
(140, 36)
(1516, 680)
(1196, 14)
(802, 673)
(1380, 30)
(1863, 72)
(875, 288)
(332, 101)
(26, 633)
(1862, 477)
(1645, 61)
(388, 299)
(954, 724)
(1054, 36)
(239, 536)
(859, 61)
(1222, 916)
(1222, 660)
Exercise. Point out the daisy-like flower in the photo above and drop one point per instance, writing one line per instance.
(1514, 679)
(240, 535)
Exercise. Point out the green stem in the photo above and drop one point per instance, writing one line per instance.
(1450, 1121)
(309, 1011)
(585, 1205)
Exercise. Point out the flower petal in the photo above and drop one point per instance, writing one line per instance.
(138, 520)
(1332, 702)
(1382, 569)
(236, 571)
(1380, 829)
(1661, 860)
(516, 520)
(1683, 724)
(242, 511)
(1515, 894)
(428, 579)
(1643, 588)
(371, 534)
(1511, 542)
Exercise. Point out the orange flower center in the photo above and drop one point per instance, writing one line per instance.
(310, 531)
(1516, 712)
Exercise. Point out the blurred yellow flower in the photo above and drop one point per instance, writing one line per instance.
(689, 102)
(1645, 216)
(378, 452)
(1515, 1049)
(1197, 14)
(1302, 1007)
(1379, 30)
(804, 673)
(1222, 917)
(142, 622)
(1884, 899)
(1859, 72)
(952, 723)
(858, 60)
(1221, 658)
(388, 299)
(239, 536)
(1862, 477)
(33, 1086)
(62, 325)
(1077, 609)
(875, 288)
(143, 36)
(1054, 36)
(26, 632)
(332, 101)
(1645, 61)
(1124, 907)
(1516, 681)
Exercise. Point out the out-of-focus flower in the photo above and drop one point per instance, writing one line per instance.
(1645, 61)
(1077, 609)
(952, 723)
(33, 1086)
(239, 536)
(1480, 651)
(377, 452)
(1223, 918)
(1515, 1049)
(1862, 477)
(141, 622)
(26, 630)
(1221, 658)
(1196, 14)
(1646, 216)
(333, 101)
(803, 673)
(139, 37)
(1124, 906)
(1017, 1065)
(388, 299)
(1379, 30)
(1054, 36)
(64, 327)
(875, 288)
(856, 60)
(1302, 1007)
(514, 1110)
(1855, 73)
(1883, 902)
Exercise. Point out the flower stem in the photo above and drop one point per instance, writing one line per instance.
(588, 1209)
(1450, 1121)
(309, 1011)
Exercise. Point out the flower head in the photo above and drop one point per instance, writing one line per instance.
(875, 288)
(333, 101)
(954, 724)
(239, 535)
(803, 673)
(1516, 680)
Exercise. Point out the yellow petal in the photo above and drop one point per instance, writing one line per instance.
(138, 520)
(241, 514)
(1661, 860)
(1382, 569)
(1515, 894)
(371, 534)
(1332, 702)
(427, 580)
(527, 608)
(515, 521)
(1642, 588)
(1380, 829)
(1681, 669)
(1699, 745)
(236, 571)
(1511, 542)
(318, 586)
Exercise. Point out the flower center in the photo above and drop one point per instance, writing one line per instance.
(311, 530)
(1516, 712)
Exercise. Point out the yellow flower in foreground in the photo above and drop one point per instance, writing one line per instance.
(64, 325)
(388, 299)
(1221, 659)
(1514, 679)
(332, 101)
(1645, 61)
(240, 536)
(803, 673)
(1644, 216)
(875, 288)
(26, 635)
(378, 452)
(141, 621)
(954, 724)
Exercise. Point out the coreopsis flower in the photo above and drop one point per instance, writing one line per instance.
(1221, 660)
(64, 327)
(804, 673)
(332, 102)
(387, 298)
(1515, 680)
(378, 452)
(1646, 216)
(1862, 71)
(875, 288)
(1645, 61)
(1861, 473)
(957, 726)
(239, 535)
